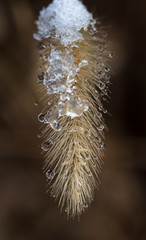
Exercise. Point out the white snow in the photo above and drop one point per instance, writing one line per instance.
(63, 19)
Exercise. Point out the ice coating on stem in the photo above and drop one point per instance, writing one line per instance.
(63, 19)
(59, 34)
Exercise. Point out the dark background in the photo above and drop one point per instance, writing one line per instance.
(118, 211)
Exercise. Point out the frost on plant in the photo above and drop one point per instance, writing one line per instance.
(74, 72)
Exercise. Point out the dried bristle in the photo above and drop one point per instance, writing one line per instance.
(74, 155)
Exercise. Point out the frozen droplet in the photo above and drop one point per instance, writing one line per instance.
(74, 108)
(50, 174)
(56, 126)
(45, 146)
(100, 127)
(47, 117)
(41, 117)
(89, 174)
(83, 63)
(40, 134)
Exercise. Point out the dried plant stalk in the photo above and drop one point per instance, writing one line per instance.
(75, 78)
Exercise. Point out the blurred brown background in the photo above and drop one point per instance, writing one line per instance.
(26, 212)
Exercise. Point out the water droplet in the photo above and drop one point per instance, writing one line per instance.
(36, 103)
(41, 46)
(98, 139)
(46, 56)
(85, 205)
(107, 69)
(100, 48)
(94, 165)
(49, 103)
(50, 174)
(52, 141)
(65, 175)
(105, 35)
(111, 55)
(101, 145)
(91, 32)
(41, 77)
(105, 91)
(107, 77)
(100, 127)
(41, 117)
(53, 195)
(45, 146)
(100, 74)
(104, 111)
(40, 134)
(88, 157)
(69, 154)
(100, 108)
(101, 85)
(66, 209)
(99, 115)
(87, 133)
(89, 174)
(75, 128)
